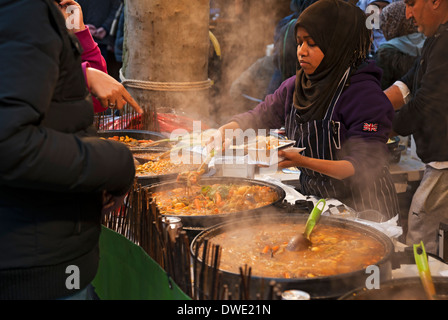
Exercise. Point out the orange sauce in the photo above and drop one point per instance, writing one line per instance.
(333, 251)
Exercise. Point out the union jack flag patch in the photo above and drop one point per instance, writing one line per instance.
(372, 127)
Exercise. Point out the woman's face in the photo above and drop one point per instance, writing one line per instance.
(308, 53)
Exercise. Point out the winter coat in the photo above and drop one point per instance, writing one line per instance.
(53, 169)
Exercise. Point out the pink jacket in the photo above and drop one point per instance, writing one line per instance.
(91, 57)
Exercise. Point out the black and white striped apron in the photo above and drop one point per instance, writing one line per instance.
(322, 140)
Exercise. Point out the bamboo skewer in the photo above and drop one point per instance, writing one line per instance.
(200, 277)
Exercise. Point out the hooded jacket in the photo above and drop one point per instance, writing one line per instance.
(52, 169)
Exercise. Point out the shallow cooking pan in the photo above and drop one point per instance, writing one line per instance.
(319, 287)
(138, 135)
(192, 162)
(201, 222)
(400, 289)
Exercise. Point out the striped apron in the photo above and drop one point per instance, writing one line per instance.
(322, 140)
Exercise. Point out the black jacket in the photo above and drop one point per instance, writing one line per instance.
(426, 115)
(394, 63)
(52, 169)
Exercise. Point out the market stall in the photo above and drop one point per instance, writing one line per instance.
(179, 237)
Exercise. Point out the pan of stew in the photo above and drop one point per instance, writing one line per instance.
(337, 261)
(214, 200)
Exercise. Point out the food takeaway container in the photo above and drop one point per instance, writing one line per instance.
(233, 166)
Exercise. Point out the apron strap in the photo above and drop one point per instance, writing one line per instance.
(290, 124)
(337, 94)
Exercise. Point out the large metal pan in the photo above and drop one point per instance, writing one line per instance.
(328, 287)
(400, 289)
(199, 223)
(136, 134)
(191, 164)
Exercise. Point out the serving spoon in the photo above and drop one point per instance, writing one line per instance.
(302, 241)
(421, 260)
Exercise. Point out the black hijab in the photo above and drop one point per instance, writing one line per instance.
(338, 29)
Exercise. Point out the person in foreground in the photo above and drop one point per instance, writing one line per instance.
(421, 98)
(56, 177)
(335, 108)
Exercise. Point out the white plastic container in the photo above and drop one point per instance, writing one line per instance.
(234, 167)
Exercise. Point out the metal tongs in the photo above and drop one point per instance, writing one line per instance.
(193, 177)
(182, 142)
(421, 260)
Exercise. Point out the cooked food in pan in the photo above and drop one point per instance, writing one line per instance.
(334, 250)
(147, 156)
(161, 167)
(213, 199)
(131, 142)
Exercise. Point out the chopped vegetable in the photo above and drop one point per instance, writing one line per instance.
(214, 199)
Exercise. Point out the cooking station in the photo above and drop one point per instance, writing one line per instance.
(173, 244)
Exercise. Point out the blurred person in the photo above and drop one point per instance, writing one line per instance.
(421, 100)
(403, 43)
(266, 74)
(119, 39)
(250, 87)
(99, 16)
(335, 108)
(285, 47)
(57, 178)
(377, 33)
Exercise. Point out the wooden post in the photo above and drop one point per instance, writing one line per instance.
(166, 45)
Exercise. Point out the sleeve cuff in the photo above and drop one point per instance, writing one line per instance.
(405, 92)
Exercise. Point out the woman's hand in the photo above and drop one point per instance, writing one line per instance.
(109, 92)
(219, 141)
(77, 24)
(291, 159)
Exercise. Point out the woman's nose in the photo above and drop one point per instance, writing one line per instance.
(301, 50)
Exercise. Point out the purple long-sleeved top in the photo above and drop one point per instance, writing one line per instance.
(363, 110)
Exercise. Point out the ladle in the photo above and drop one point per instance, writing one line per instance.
(421, 260)
(302, 241)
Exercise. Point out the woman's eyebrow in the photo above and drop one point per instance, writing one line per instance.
(305, 37)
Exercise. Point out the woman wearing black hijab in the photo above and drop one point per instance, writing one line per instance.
(335, 108)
